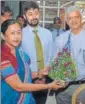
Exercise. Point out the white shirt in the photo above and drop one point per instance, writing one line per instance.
(77, 45)
(29, 46)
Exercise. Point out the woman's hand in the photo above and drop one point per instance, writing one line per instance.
(56, 85)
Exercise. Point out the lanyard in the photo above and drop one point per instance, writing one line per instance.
(67, 45)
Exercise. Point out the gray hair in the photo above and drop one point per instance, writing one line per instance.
(73, 8)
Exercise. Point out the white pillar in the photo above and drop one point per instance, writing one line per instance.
(43, 13)
(58, 13)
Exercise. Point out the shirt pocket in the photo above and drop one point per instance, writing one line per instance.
(81, 57)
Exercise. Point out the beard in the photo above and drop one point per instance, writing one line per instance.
(33, 22)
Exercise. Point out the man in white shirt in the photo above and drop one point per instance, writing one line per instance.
(57, 30)
(77, 50)
(32, 15)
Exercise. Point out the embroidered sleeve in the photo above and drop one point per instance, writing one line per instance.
(6, 69)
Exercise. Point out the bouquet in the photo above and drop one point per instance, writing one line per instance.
(62, 67)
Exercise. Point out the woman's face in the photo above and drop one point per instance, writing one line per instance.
(12, 35)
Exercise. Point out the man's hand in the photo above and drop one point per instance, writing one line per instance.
(42, 73)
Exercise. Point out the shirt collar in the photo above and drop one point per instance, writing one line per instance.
(32, 28)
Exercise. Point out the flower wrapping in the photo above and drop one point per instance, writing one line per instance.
(62, 67)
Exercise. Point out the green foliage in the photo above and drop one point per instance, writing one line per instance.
(62, 67)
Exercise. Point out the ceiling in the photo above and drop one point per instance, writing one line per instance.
(62, 3)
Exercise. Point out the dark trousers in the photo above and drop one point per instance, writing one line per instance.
(41, 96)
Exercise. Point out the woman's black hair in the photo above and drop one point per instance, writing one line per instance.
(6, 24)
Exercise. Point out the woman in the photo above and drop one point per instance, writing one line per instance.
(16, 84)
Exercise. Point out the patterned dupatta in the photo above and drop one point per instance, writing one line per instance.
(23, 63)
